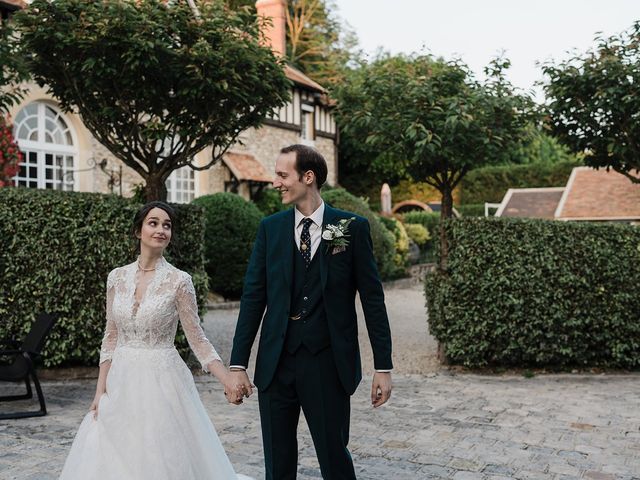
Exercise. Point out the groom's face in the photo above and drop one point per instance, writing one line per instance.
(292, 188)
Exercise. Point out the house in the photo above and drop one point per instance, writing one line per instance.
(590, 195)
(530, 202)
(60, 152)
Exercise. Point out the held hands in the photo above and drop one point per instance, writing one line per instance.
(380, 388)
(237, 386)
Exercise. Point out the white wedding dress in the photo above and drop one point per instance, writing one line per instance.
(151, 423)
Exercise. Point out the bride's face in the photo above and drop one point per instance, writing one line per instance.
(156, 230)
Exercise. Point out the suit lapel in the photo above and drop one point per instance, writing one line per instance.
(328, 217)
(287, 245)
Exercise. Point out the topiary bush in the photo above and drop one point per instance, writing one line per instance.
(56, 250)
(383, 239)
(538, 293)
(231, 224)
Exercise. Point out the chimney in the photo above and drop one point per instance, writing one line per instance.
(276, 33)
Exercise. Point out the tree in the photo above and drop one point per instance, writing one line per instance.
(318, 42)
(155, 82)
(428, 119)
(594, 100)
(13, 69)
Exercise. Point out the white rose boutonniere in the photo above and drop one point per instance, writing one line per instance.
(336, 236)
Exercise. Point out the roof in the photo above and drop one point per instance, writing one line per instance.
(245, 167)
(530, 202)
(300, 78)
(13, 4)
(599, 195)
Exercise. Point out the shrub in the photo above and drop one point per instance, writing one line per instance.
(538, 293)
(418, 233)
(56, 250)
(231, 224)
(489, 184)
(431, 221)
(269, 202)
(401, 244)
(383, 240)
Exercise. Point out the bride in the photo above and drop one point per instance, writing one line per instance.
(146, 420)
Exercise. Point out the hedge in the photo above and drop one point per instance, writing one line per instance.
(56, 249)
(383, 239)
(471, 210)
(489, 184)
(231, 224)
(269, 202)
(538, 293)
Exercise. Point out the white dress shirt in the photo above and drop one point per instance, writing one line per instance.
(315, 229)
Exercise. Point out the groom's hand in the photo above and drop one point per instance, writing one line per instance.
(242, 383)
(381, 388)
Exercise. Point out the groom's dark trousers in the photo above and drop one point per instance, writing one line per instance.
(308, 357)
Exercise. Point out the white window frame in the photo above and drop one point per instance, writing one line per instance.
(307, 124)
(176, 191)
(45, 157)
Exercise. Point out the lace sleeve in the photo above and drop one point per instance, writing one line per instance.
(187, 307)
(111, 330)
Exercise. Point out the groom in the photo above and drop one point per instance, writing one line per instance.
(308, 355)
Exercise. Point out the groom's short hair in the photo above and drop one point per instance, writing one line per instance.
(308, 158)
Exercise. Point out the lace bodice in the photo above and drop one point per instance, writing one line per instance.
(152, 322)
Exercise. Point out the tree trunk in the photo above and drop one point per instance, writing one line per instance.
(155, 189)
(446, 212)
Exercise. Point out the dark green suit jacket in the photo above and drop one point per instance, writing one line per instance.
(268, 285)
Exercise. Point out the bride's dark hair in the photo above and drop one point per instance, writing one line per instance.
(141, 214)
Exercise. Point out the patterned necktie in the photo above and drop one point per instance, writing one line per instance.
(305, 241)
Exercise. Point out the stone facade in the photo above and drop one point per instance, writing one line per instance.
(263, 143)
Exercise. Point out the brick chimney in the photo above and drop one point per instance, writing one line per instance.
(275, 33)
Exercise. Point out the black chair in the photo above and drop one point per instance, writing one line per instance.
(22, 367)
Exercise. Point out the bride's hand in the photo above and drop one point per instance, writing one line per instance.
(94, 405)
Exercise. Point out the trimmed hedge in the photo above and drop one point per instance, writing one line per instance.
(383, 239)
(538, 293)
(56, 249)
(489, 184)
(471, 210)
(231, 224)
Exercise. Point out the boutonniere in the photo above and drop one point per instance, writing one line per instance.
(337, 236)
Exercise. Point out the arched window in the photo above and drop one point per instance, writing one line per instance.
(47, 143)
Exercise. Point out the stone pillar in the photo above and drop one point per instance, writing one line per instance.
(385, 200)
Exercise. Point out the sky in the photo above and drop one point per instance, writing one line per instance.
(477, 31)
